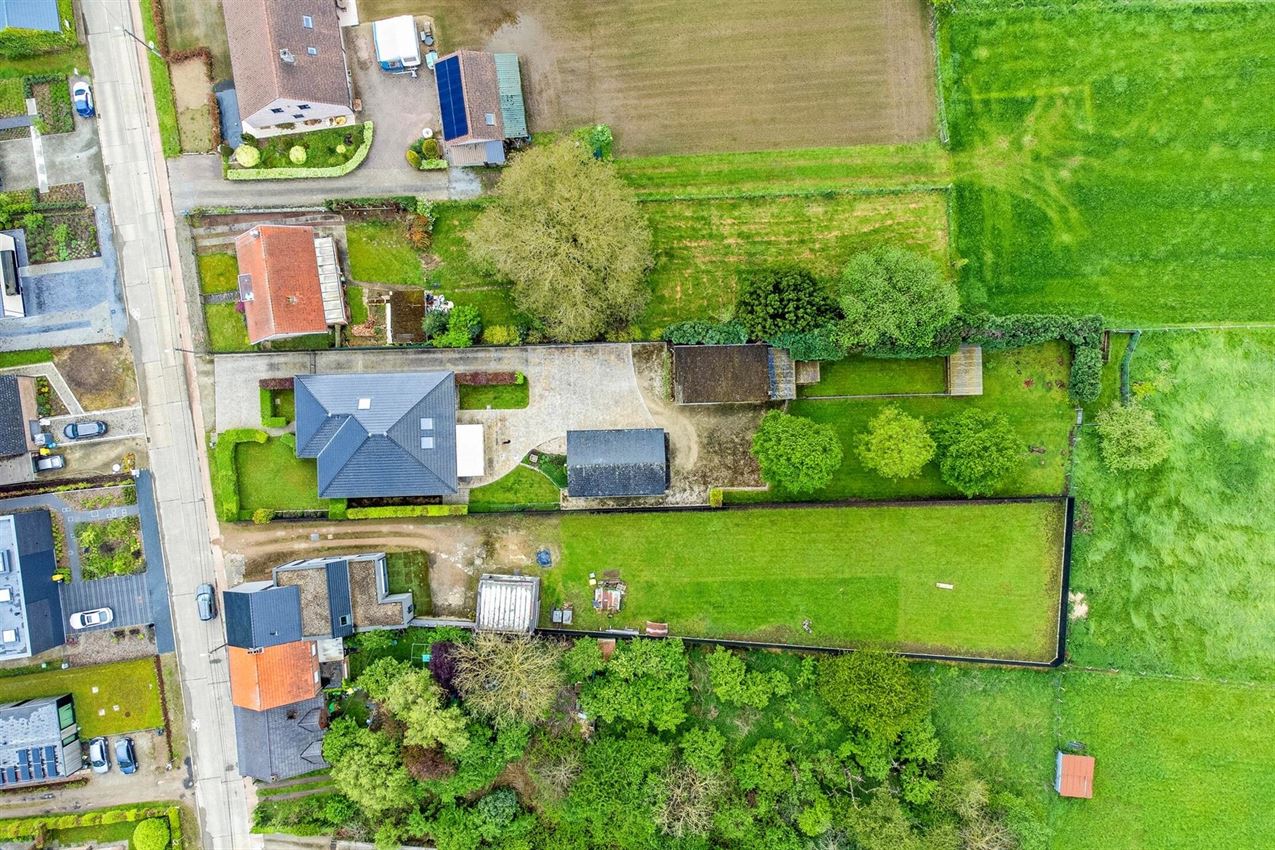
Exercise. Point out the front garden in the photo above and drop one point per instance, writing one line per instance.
(110, 699)
(330, 152)
(110, 548)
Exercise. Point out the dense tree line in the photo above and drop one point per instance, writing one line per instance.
(522, 744)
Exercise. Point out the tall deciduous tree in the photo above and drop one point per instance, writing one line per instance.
(1131, 439)
(977, 450)
(569, 235)
(875, 692)
(510, 680)
(646, 682)
(896, 445)
(894, 297)
(367, 768)
(795, 453)
(416, 699)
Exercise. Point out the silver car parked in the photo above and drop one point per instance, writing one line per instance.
(99, 755)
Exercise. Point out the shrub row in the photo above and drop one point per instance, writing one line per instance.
(304, 173)
(395, 511)
(224, 474)
(14, 828)
(489, 379)
(700, 332)
(402, 203)
(275, 383)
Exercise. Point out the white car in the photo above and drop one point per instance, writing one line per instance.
(99, 756)
(88, 619)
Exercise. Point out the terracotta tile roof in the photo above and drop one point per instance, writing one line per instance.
(258, 29)
(1074, 777)
(275, 676)
(286, 296)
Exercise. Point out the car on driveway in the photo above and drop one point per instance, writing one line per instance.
(48, 463)
(82, 97)
(99, 755)
(88, 619)
(125, 755)
(205, 602)
(85, 430)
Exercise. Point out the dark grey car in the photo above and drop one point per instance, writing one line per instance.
(206, 601)
(85, 430)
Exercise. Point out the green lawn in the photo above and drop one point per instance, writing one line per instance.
(218, 273)
(866, 168)
(356, 304)
(523, 488)
(321, 147)
(701, 245)
(12, 99)
(1176, 567)
(25, 358)
(1027, 385)
(457, 275)
(380, 253)
(869, 376)
(126, 697)
(1136, 178)
(860, 575)
(495, 396)
(272, 476)
(1180, 764)
(226, 329)
(61, 62)
(409, 573)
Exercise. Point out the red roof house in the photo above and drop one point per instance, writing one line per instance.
(279, 282)
(1073, 776)
(262, 679)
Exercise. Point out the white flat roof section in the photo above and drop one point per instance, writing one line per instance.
(396, 41)
(471, 455)
(508, 603)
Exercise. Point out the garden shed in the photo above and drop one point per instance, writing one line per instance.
(1073, 775)
(507, 603)
(732, 374)
(617, 462)
(965, 371)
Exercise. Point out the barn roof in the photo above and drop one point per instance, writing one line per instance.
(1073, 775)
(619, 462)
(717, 374)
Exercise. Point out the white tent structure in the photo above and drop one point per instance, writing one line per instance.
(398, 47)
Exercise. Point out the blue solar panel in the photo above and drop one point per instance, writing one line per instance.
(51, 755)
(451, 98)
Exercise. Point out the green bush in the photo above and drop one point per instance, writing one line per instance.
(597, 139)
(338, 509)
(501, 335)
(818, 344)
(396, 511)
(699, 332)
(735, 684)
(247, 155)
(297, 155)
(225, 476)
(265, 400)
(464, 324)
(262, 516)
(1085, 383)
(151, 834)
(893, 296)
(896, 445)
(274, 422)
(413, 158)
(434, 164)
(1130, 438)
(795, 453)
(977, 450)
(782, 300)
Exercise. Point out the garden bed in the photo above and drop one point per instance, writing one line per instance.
(110, 548)
(52, 95)
(61, 236)
(327, 153)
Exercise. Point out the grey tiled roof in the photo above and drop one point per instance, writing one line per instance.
(13, 440)
(378, 449)
(622, 462)
(259, 615)
(282, 742)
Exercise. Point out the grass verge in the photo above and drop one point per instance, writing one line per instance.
(218, 273)
(522, 489)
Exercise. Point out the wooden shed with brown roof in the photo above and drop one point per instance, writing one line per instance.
(288, 60)
(732, 374)
(262, 679)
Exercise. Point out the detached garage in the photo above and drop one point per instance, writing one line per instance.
(621, 462)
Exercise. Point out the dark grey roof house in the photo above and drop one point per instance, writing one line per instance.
(39, 741)
(379, 435)
(18, 415)
(282, 742)
(259, 615)
(30, 607)
(622, 462)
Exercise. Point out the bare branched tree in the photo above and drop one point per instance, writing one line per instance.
(686, 801)
(508, 679)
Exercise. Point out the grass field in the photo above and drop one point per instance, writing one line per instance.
(218, 273)
(1180, 764)
(864, 169)
(380, 253)
(860, 575)
(456, 274)
(272, 476)
(522, 489)
(1176, 569)
(1134, 179)
(714, 75)
(701, 245)
(109, 698)
(1027, 385)
(868, 376)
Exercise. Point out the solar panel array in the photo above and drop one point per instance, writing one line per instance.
(34, 763)
(451, 98)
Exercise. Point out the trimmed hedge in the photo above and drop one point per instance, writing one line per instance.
(305, 173)
(152, 834)
(337, 509)
(37, 827)
(225, 476)
(699, 332)
(396, 511)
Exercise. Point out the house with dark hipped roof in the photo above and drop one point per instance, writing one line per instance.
(480, 95)
(619, 462)
(282, 742)
(39, 741)
(259, 615)
(288, 61)
(379, 435)
(31, 618)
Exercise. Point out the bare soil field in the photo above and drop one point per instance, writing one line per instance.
(712, 75)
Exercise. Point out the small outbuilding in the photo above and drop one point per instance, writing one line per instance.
(398, 46)
(732, 374)
(480, 95)
(619, 462)
(507, 603)
(965, 371)
(1073, 775)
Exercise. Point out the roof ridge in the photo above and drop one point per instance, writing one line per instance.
(349, 417)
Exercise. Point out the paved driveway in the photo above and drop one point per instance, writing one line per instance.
(571, 386)
(121, 423)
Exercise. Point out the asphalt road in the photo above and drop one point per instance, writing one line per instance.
(159, 331)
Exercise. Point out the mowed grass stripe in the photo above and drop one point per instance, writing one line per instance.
(858, 574)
